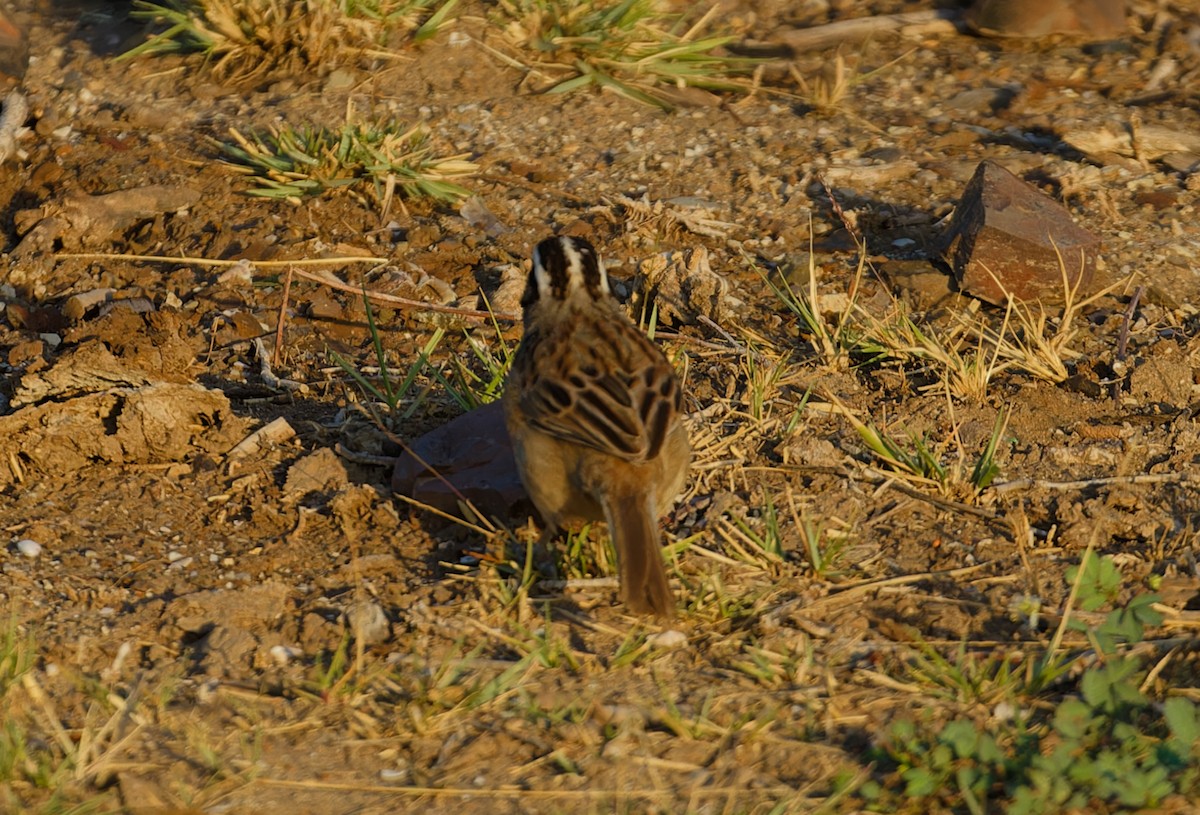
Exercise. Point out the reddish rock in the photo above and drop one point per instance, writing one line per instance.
(1007, 237)
(14, 51)
(474, 455)
(1088, 19)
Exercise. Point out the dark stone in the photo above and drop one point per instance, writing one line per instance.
(474, 456)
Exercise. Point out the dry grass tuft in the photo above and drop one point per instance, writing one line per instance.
(379, 160)
(633, 47)
(246, 40)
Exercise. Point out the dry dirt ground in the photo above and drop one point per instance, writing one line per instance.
(191, 613)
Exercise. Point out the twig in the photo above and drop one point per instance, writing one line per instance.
(507, 792)
(708, 321)
(876, 477)
(845, 592)
(905, 579)
(331, 283)
(1123, 337)
(268, 376)
(580, 584)
(861, 28)
(1158, 669)
(287, 288)
(359, 457)
(696, 341)
(540, 189)
(445, 515)
(1084, 483)
(274, 432)
(404, 301)
(195, 261)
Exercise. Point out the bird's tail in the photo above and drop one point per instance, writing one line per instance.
(633, 525)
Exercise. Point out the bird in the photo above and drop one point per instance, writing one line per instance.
(595, 414)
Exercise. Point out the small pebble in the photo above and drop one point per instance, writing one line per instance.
(29, 548)
(667, 639)
(283, 654)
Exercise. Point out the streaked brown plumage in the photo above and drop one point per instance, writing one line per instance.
(594, 411)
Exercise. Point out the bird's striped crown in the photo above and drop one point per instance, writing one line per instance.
(564, 267)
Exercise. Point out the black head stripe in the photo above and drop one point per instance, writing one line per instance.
(563, 265)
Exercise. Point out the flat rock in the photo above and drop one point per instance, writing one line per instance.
(473, 455)
(1007, 238)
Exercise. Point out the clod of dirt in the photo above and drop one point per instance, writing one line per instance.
(120, 350)
(231, 624)
(809, 451)
(682, 285)
(80, 221)
(157, 423)
(254, 608)
(236, 327)
(320, 470)
(30, 353)
(86, 369)
(473, 455)
(1008, 238)
(506, 299)
(359, 507)
(1165, 378)
(1116, 142)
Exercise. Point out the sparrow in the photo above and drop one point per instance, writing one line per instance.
(594, 410)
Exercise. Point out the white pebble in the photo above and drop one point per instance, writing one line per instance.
(29, 548)
(283, 654)
(667, 639)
